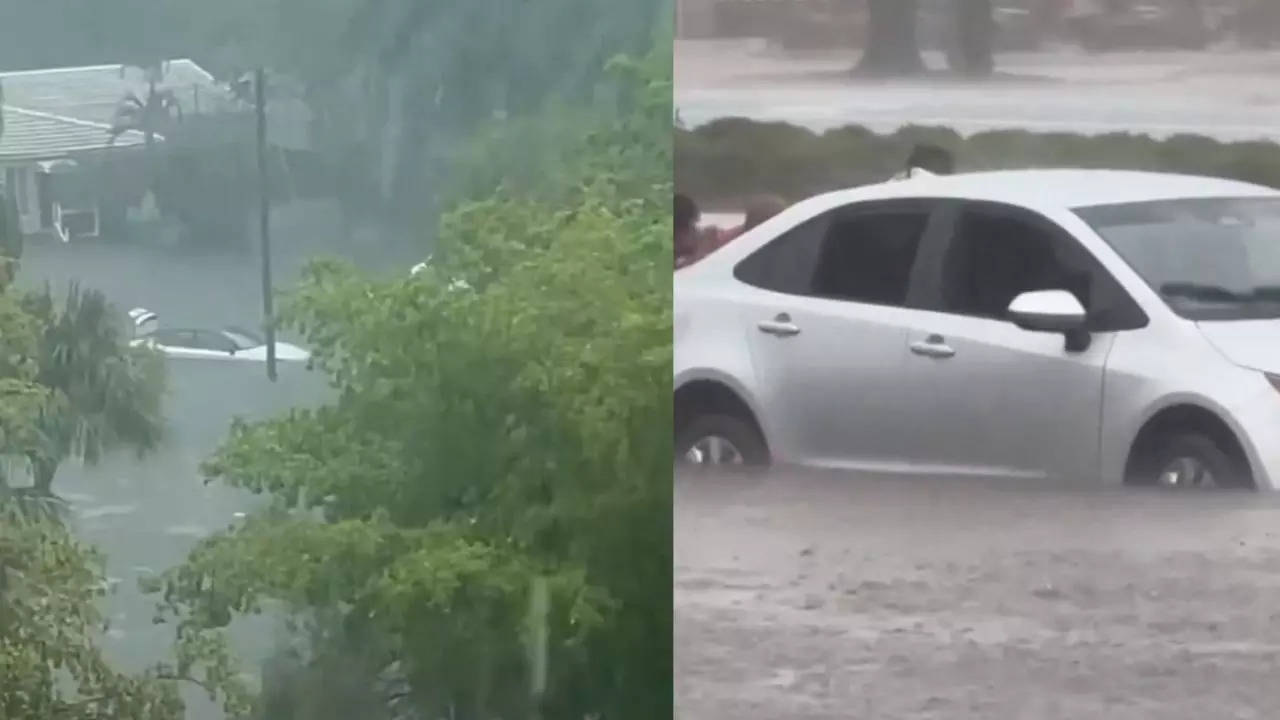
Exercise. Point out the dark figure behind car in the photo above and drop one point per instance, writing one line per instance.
(685, 217)
(930, 158)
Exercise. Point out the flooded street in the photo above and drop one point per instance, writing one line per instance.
(146, 514)
(817, 596)
(1066, 91)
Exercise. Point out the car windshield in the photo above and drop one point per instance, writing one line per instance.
(1209, 258)
(244, 339)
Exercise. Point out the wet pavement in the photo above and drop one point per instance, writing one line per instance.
(809, 596)
(1229, 95)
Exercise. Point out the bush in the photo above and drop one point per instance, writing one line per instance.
(723, 161)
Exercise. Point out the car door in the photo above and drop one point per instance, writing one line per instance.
(827, 327)
(987, 397)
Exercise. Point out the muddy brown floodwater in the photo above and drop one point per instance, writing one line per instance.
(819, 596)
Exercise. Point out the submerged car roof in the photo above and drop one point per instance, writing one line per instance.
(1062, 188)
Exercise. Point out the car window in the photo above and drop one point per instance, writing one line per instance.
(868, 257)
(174, 338)
(1208, 258)
(995, 254)
(243, 339)
(860, 254)
(786, 264)
(213, 340)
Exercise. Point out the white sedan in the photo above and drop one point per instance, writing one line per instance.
(229, 343)
(1043, 325)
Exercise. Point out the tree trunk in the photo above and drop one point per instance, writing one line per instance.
(43, 471)
(974, 51)
(892, 48)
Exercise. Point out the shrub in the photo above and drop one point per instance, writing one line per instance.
(725, 160)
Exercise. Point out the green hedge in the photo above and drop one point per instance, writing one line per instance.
(726, 160)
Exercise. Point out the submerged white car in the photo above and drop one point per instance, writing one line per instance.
(1057, 325)
(230, 343)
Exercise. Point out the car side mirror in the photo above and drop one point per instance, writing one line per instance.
(1054, 311)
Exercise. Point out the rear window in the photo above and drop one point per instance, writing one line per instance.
(864, 256)
(244, 339)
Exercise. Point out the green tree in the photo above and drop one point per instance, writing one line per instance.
(105, 394)
(150, 115)
(50, 666)
(487, 440)
(50, 585)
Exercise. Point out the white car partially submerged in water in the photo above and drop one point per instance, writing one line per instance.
(229, 343)
(1040, 325)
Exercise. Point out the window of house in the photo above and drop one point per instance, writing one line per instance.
(860, 255)
(994, 256)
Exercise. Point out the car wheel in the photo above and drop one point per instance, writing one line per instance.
(721, 440)
(1192, 460)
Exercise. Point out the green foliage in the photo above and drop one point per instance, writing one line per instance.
(50, 663)
(50, 666)
(726, 160)
(104, 393)
(486, 437)
(22, 399)
(527, 155)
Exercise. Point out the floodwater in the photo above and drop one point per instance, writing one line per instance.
(806, 596)
(821, 596)
(1229, 95)
(145, 515)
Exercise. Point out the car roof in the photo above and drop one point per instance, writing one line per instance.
(1043, 190)
(1057, 188)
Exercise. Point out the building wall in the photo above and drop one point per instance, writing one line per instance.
(21, 180)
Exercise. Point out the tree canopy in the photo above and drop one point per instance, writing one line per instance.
(487, 440)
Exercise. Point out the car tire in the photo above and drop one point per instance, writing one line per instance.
(1192, 460)
(741, 437)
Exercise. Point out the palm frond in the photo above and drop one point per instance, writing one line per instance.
(108, 394)
(25, 505)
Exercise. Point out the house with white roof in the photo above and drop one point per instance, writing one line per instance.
(58, 119)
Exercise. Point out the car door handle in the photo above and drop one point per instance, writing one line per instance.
(780, 326)
(934, 346)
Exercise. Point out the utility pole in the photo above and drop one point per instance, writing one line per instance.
(264, 221)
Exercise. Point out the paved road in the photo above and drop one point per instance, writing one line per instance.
(817, 596)
(1228, 95)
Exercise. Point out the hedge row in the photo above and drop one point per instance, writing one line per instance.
(726, 160)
